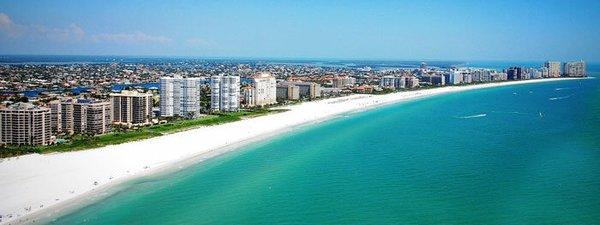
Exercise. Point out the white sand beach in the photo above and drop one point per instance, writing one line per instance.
(45, 183)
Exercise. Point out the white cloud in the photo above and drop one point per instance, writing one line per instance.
(72, 32)
(58, 34)
(8, 27)
(130, 38)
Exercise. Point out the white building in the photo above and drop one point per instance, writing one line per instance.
(180, 96)
(169, 96)
(265, 89)
(225, 93)
(455, 77)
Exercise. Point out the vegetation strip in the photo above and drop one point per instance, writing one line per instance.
(82, 142)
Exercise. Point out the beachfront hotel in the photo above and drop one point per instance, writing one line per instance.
(80, 116)
(224, 93)
(180, 96)
(264, 89)
(131, 108)
(25, 124)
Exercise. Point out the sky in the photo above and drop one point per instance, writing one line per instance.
(398, 30)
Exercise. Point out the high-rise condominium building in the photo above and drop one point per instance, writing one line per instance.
(25, 124)
(514, 73)
(265, 89)
(575, 69)
(180, 96)
(225, 93)
(82, 116)
(248, 99)
(553, 68)
(343, 81)
(287, 91)
(481, 75)
(309, 90)
(454, 77)
(392, 82)
(411, 81)
(131, 108)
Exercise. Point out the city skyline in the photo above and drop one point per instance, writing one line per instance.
(436, 30)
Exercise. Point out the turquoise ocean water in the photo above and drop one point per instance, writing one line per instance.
(525, 154)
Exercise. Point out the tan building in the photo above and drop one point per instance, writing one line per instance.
(265, 89)
(131, 108)
(81, 116)
(287, 91)
(343, 81)
(25, 124)
(56, 116)
(575, 69)
(309, 90)
(411, 82)
(553, 68)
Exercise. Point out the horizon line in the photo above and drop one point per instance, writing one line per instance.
(297, 58)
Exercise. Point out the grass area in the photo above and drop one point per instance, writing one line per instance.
(78, 142)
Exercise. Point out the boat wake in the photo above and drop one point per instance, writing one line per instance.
(540, 114)
(562, 88)
(510, 112)
(472, 116)
(560, 97)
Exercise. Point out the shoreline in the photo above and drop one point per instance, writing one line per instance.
(37, 181)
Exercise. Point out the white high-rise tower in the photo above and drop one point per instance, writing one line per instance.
(225, 93)
(180, 96)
